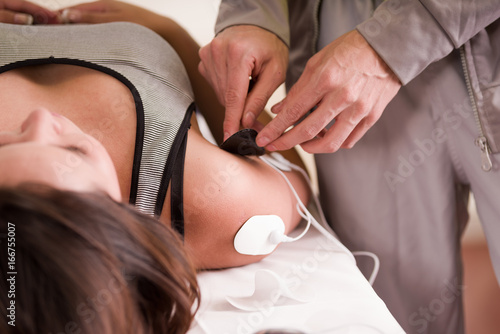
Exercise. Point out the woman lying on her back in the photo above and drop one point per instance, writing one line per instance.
(109, 108)
(100, 115)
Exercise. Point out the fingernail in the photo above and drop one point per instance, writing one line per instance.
(23, 19)
(271, 148)
(276, 108)
(71, 16)
(249, 119)
(226, 135)
(263, 141)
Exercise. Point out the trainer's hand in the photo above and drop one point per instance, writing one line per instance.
(24, 12)
(233, 56)
(106, 11)
(346, 81)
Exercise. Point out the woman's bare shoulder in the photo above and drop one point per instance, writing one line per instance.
(221, 192)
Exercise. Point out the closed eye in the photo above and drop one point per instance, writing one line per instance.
(72, 148)
(75, 149)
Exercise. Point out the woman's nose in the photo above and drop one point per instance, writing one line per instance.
(41, 126)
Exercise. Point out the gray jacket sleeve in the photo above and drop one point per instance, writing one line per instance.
(271, 15)
(411, 34)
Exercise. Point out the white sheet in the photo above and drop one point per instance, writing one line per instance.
(328, 294)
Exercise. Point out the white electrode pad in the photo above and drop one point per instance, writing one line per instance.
(254, 237)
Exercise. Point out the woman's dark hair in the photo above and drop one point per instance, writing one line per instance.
(86, 264)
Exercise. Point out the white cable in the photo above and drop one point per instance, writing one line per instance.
(376, 264)
(311, 219)
(278, 162)
(277, 237)
(284, 161)
(301, 208)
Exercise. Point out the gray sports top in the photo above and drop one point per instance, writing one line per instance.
(153, 72)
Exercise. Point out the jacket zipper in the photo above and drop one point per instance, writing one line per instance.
(481, 141)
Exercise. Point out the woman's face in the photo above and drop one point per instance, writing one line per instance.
(48, 148)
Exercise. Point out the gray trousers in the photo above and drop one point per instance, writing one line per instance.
(402, 192)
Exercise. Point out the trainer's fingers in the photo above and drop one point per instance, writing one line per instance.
(265, 85)
(234, 98)
(295, 105)
(255, 104)
(357, 133)
(257, 126)
(206, 69)
(40, 15)
(365, 124)
(332, 139)
(309, 128)
(276, 109)
(7, 16)
(347, 120)
(212, 81)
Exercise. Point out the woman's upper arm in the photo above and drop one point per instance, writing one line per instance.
(221, 192)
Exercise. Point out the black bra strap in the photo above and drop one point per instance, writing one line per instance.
(174, 174)
(176, 194)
